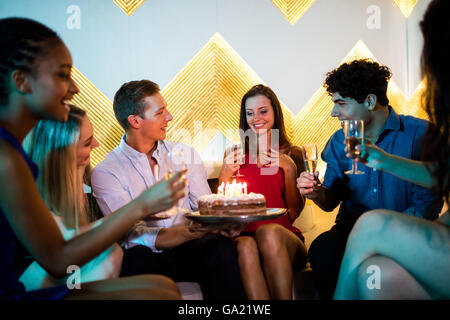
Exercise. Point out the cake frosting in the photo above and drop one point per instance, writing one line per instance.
(232, 204)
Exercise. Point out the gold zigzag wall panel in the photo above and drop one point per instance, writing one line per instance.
(107, 130)
(206, 94)
(406, 6)
(205, 98)
(314, 124)
(293, 9)
(129, 6)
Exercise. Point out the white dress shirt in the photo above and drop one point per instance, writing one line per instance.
(125, 173)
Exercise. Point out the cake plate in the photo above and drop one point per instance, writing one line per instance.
(167, 213)
(271, 213)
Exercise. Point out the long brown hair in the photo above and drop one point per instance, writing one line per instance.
(263, 90)
(435, 65)
(52, 146)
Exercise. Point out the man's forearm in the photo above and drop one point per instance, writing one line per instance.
(171, 237)
(325, 199)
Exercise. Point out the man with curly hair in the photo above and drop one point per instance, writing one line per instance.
(359, 91)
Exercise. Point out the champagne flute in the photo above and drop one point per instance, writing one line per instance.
(310, 156)
(173, 161)
(354, 135)
(238, 150)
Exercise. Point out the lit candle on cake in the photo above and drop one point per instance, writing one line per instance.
(220, 190)
(232, 189)
(232, 199)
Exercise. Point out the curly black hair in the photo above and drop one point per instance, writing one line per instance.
(358, 79)
(435, 67)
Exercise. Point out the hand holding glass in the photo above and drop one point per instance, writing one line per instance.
(238, 151)
(354, 135)
(310, 156)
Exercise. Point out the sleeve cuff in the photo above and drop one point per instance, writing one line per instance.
(143, 236)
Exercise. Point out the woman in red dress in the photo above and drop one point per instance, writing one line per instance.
(268, 250)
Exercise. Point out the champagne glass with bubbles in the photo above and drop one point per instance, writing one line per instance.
(310, 156)
(354, 135)
(238, 150)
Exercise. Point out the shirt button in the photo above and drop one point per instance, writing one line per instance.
(375, 190)
(374, 169)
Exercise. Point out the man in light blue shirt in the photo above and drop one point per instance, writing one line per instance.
(171, 246)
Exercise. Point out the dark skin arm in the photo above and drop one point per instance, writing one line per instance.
(35, 227)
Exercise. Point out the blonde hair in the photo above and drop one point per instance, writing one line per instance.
(52, 146)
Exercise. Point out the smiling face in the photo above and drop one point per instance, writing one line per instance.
(349, 109)
(86, 142)
(156, 117)
(259, 113)
(50, 86)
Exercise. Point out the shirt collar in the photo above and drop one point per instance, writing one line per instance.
(161, 148)
(393, 121)
(134, 154)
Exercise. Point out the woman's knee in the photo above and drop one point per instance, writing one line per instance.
(158, 294)
(154, 281)
(374, 218)
(371, 222)
(380, 277)
(246, 246)
(271, 238)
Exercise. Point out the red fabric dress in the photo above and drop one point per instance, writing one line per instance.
(273, 188)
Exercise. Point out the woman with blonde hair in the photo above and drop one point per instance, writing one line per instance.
(36, 84)
(61, 151)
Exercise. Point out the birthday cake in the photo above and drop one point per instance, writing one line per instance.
(232, 199)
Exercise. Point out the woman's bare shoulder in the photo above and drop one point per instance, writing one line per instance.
(10, 159)
(15, 170)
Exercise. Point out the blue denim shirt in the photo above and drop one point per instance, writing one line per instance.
(376, 189)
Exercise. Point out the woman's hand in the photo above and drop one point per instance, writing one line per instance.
(164, 194)
(282, 160)
(231, 164)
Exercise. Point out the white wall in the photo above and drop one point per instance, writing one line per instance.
(163, 35)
